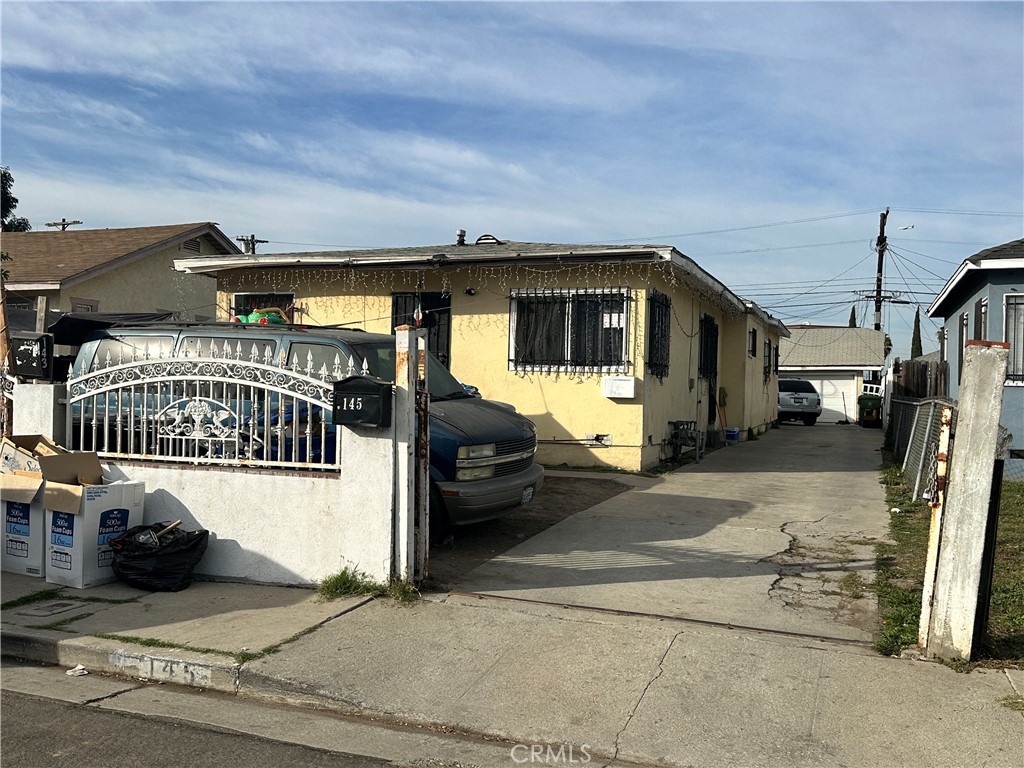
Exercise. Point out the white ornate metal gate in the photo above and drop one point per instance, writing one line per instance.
(215, 408)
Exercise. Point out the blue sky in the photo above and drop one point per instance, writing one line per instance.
(337, 124)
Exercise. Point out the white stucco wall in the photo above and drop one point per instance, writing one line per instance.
(265, 525)
(38, 410)
(272, 527)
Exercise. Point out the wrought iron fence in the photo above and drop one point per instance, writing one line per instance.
(213, 409)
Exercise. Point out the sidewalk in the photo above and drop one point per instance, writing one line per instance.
(653, 691)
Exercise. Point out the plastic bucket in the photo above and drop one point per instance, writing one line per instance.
(732, 435)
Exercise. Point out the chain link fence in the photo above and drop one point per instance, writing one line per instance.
(913, 435)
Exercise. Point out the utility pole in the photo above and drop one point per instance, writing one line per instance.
(63, 224)
(250, 242)
(880, 245)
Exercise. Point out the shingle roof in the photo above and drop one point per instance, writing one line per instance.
(813, 346)
(53, 257)
(1011, 250)
(967, 275)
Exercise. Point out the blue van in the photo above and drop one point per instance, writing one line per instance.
(481, 452)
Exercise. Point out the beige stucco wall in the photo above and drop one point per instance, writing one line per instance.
(565, 407)
(752, 401)
(149, 284)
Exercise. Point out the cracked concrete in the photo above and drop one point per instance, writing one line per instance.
(774, 534)
(639, 701)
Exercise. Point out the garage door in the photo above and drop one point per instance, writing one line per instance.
(833, 389)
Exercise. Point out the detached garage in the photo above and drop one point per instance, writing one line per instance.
(836, 360)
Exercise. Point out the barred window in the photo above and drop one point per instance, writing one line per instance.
(767, 359)
(659, 325)
(961, 343)
(569, 330)
(1014, 336)
(981, 319)
(752, 342)
(247, 303)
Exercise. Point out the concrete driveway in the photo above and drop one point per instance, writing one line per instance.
(773, 534)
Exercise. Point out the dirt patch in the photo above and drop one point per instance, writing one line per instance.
(470, 546)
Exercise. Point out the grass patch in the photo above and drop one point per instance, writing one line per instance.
(35, 597)
(899, 578)
(1005, 638)
(1014, 702)
(149, 642)
(900, 573)
(349, 582)
(240, 657)
(852, 585)
(59, 624)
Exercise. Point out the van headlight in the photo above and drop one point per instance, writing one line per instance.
(475, 462)
(475, 473)
(476, 451)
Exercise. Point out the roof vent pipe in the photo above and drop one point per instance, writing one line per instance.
(460, 237)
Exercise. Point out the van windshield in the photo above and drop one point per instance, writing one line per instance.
(380, 359)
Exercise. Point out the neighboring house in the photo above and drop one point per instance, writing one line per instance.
(835, 359)
(984, 299)
(603, 347)
(113, 270)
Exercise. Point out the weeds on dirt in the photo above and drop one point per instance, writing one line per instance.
(900, 565)
(349, 582)
(1005, 638)
(900, 574)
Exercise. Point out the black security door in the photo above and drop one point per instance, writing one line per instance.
(707, 364)
(435, 311)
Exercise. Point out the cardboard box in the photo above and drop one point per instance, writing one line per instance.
(22, 452)
(84, 511)
(15, 458)
(24, 523)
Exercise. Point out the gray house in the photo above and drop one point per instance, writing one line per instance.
(984, 299)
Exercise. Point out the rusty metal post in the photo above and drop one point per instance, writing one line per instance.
(935, 531)
(422, 499)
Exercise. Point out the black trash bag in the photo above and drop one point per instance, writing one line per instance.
(163, 567)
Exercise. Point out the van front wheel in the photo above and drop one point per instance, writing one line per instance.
(440, 524)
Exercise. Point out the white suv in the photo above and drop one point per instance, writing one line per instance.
(799, 401)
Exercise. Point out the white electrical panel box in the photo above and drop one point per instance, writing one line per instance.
(618, 387)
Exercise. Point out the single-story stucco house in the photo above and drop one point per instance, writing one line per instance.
(617, 353)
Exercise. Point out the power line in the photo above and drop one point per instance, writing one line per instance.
(959, 213)
(896, 252)
(781, 248)
(943, 242)
(649, 238)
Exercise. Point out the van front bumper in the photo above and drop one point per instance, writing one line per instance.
(476, 500)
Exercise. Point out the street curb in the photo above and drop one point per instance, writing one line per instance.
(214, 672)
(96, 654)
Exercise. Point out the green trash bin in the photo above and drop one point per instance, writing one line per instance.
(869, 410)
